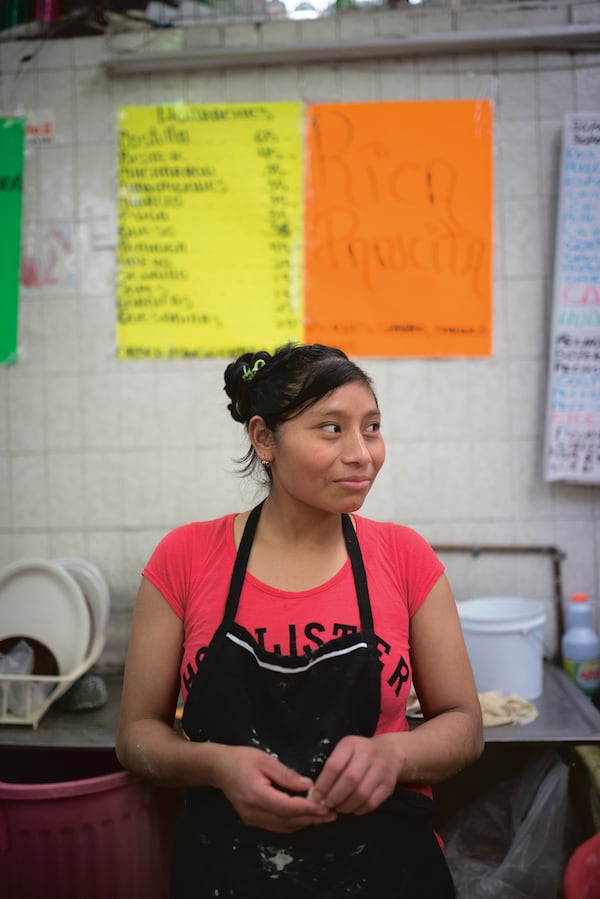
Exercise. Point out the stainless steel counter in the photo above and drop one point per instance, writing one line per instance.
(566, 716)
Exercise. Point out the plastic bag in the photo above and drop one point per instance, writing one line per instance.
(22, 697)
(19, 660)
(510, 842)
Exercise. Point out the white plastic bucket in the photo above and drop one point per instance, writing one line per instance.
(504, 637)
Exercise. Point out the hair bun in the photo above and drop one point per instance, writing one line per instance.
(239, 377)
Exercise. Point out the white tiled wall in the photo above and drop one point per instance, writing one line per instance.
(98, 458)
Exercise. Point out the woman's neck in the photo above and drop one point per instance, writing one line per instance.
(299, 525)
(296, 552)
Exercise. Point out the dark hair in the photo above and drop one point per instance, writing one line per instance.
(277, 387)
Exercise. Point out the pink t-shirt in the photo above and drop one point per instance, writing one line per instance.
(191, 567)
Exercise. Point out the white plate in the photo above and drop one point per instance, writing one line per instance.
(39, 599)
(95, 589)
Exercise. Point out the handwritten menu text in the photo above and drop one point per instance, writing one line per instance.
(399, 227)
(573, 414)
(210, 229)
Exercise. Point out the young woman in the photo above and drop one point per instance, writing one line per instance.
(294, 632)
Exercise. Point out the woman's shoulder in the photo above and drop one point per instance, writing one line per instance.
(388, 531)
(404, 554)
(192, 535)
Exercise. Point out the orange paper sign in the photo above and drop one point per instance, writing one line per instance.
(398, 228)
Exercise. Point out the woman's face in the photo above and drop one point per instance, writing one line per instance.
(329, 456)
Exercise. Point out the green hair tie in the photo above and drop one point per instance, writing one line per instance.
(249, 373)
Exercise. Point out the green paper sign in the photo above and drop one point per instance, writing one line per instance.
(12, 142)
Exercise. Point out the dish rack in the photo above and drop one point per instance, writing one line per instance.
(36, 705)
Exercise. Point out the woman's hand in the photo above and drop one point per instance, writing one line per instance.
(359, 774)
(258, 787)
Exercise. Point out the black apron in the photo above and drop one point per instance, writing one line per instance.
(298, 708)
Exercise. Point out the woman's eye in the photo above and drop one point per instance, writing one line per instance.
(374, 426)
(330, 428)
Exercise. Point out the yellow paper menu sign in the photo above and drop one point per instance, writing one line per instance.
(210, 229)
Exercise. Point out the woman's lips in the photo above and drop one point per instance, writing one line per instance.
(353, 483)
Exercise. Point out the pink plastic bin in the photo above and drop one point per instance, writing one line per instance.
(102, 836)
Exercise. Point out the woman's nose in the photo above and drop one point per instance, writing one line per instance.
(355, 448)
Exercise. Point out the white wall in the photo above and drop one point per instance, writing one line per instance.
(99, 457)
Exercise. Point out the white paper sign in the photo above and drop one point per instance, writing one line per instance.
(572, 450)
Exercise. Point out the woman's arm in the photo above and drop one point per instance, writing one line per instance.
(146, 744)
(451, 736)
(361, 773)
(255, 783)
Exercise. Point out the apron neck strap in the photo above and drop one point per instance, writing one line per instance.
(356, 560)
(241, 563)
(360, 575)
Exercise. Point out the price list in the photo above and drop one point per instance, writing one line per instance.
(210, 229)
(573, 415)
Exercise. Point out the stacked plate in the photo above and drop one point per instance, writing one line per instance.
(96, 591)
(62, 605)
